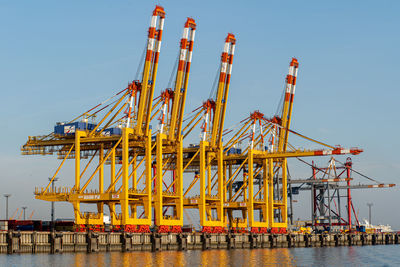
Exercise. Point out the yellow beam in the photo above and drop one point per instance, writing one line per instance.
(250, 179)
(270, 192)
(78, 135)
(100, 166)
(108, 113)
(158, 200)
(58, 169)
(190, 161)
(202, 205)
(125, 184)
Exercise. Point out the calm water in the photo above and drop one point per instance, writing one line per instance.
(330, 256)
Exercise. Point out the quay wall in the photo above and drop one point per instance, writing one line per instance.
(59, 242)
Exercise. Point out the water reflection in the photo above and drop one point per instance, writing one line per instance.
(215, 258)
(323, 256)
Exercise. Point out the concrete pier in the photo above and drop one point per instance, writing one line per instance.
(92, 242)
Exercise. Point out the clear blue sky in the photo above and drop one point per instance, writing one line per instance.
(57, 59)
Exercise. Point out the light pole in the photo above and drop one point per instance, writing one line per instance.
(53, 209)
(369, 207)
(7, 196)
(24, 208)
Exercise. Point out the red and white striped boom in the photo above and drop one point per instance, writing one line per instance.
(223, 89)
(288, 104)
(150, 70)
(182, 78)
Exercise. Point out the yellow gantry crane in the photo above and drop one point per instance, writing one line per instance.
(256, 176)
(169, 156)
(211, 148)
(121, 136)
(137, 173)
(209, 153)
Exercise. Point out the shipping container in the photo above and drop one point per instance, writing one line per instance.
(112, 131)
(46, 226)
(233, 150)
(65, 225)
(70, 128)
(12, 224)
(38, 225)
(361, 228)
(3, 225)
(28, 227)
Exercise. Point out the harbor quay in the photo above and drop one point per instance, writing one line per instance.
(92, 242)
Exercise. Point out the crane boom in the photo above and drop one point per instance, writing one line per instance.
(223, 90)
(30, 216)
(121, 167)
(182, 79)
(288, 104)
(15, 214)
(362, 186)
(150, 70)
(338, 187)
(20, 215)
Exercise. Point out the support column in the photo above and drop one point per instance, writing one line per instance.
(250, 200)
(134, 185)
(202, 206)
(159, 179)
(78, 135)
(111, 205)
(221, 187)
(208, 166)
(284, 191)
(230, 214)
(179, 182)
(270, 192)
(125, 176)
(266, 207)
(101, 170)
(349, 202)
(313, 199)
(224, 199)
(148, 161)
(100, 206)
(76, 204)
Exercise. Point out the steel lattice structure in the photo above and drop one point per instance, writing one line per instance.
(235, 183)
(329, 186)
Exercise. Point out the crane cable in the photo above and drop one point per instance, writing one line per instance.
(191, 114)
(298, 134)
(280, 103)
(98, 105)
(108, 99)
(141, 62)
(315, 167)
(174, 71)
(214, 85)
(233, 127)
(362, 175)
